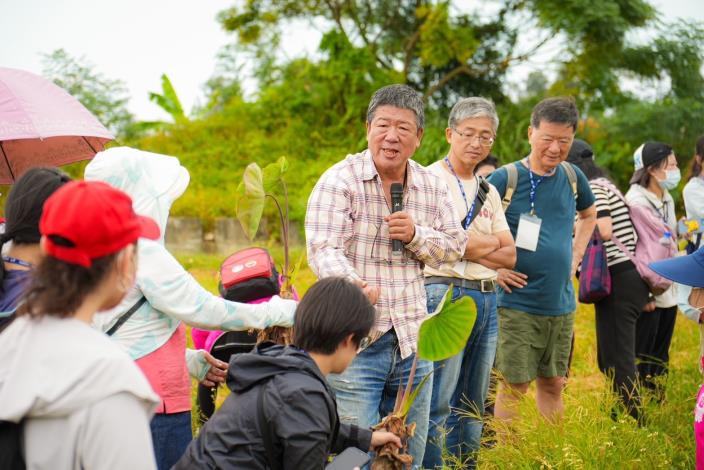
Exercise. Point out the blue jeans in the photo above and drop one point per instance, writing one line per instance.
(366, 391)
(171, 434)
(460, 384)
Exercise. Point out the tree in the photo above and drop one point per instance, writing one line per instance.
(446, 52)
(106, 98)
(169, 102)
(225, 84)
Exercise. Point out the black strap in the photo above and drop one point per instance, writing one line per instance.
(482, 191)
(266, 433)
(126, 316)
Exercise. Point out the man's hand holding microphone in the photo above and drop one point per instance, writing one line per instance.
(401, 226)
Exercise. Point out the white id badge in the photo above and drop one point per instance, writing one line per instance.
(459, 268)
(528, 232)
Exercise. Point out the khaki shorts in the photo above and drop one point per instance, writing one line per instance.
(533, 346)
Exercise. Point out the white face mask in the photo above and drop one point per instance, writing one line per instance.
(672, 179)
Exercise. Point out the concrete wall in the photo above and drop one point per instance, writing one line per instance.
(186, 235)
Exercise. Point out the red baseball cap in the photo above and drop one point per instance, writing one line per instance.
(85, 220)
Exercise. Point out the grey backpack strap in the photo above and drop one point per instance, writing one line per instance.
(511, 183)
(571, 176)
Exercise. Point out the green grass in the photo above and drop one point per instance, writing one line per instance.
(586, 438)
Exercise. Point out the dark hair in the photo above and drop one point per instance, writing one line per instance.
(24, 204)
(559, 110)
(590, 169)
(58, 288)
(642, 176)
(582, 155)
(696, 168)
(332, 309)
(398, 96)
(490, 160)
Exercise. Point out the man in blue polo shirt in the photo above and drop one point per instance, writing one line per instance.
(536, 300)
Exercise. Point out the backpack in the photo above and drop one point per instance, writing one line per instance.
(11, 457)
(248, 275)
(512, 181)
(649, 228)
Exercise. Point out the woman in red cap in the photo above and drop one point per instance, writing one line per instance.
(80, 401)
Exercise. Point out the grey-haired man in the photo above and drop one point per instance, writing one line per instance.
(461, 383)
(349, 233)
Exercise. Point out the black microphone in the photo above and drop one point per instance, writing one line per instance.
(396, 206)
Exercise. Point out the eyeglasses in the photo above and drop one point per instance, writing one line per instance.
(484, 141)
(364, 343)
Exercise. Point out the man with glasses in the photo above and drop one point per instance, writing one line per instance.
(460, 383)
(349, 232)
(536, 300)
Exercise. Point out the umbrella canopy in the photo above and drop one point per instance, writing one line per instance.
(42, 125)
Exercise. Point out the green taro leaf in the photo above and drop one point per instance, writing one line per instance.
(274, 173)
(445, 332)
(250, 200)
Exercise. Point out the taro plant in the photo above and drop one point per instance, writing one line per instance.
(256, 186)
(442, 334)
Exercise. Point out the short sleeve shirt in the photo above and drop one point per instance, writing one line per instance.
(609, 204)
(549, 290)
(489, 221)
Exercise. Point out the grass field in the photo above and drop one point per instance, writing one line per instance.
(587, 438)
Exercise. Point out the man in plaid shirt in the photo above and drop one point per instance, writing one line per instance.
(349, 233)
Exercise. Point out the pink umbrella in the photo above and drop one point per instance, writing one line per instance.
(42, 125)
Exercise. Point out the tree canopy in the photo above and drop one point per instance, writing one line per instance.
(634, 78)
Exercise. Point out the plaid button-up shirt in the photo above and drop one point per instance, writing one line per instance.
(346, 235)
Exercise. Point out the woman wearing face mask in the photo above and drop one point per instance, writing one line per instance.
(655, 174)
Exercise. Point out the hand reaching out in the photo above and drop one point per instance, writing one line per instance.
(217, 372)
(382, 437)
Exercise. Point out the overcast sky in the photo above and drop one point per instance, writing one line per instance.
(138, 40)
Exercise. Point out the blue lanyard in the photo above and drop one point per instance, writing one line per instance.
(534, 185)
(470, 210)
(19, 262)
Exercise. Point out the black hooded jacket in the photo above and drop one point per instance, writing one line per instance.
(299, 408)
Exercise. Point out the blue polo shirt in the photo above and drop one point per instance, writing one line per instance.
(549, 290)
